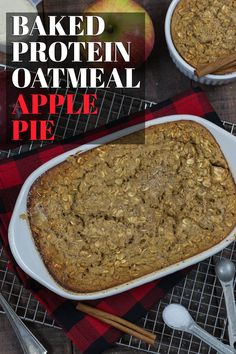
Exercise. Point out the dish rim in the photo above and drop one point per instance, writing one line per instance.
(18, 223)
(177, 55)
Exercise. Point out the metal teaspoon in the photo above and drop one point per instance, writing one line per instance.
(177, 317)
(225, 271)
(28, 342)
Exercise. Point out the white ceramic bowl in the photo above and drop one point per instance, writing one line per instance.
(16, 6)
(182, 65)
(20, 237)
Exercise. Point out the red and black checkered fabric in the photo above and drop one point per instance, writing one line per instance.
(90, 335)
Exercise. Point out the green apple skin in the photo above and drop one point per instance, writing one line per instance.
(118, 29)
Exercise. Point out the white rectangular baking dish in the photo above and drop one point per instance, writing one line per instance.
(22, 244)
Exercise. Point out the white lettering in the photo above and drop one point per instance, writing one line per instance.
(20, 22)
(26, 76)
(18, 49)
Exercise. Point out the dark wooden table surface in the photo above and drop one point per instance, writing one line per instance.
(163, 80)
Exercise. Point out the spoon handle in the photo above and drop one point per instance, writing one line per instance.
(210, 340)
(228, 290)
(29, 344)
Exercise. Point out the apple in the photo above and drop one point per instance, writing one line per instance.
(134, 26)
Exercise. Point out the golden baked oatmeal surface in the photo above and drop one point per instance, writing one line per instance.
(204, 30)
(121, 211)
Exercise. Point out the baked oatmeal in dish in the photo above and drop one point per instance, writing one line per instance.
(204, 30)
(121, 211)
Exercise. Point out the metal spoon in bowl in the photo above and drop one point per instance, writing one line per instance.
(28, 342)
(177, 317)
(225, 271)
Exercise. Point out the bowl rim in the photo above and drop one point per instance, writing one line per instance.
(173, 49)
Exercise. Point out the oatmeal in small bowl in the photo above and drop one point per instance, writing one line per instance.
(200, 32)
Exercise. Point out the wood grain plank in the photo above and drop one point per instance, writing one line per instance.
(68, 6)
(8, 340)
(223, 99)
(2, 58)
(54, 340)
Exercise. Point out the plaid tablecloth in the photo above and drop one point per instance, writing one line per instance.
(90, 335)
